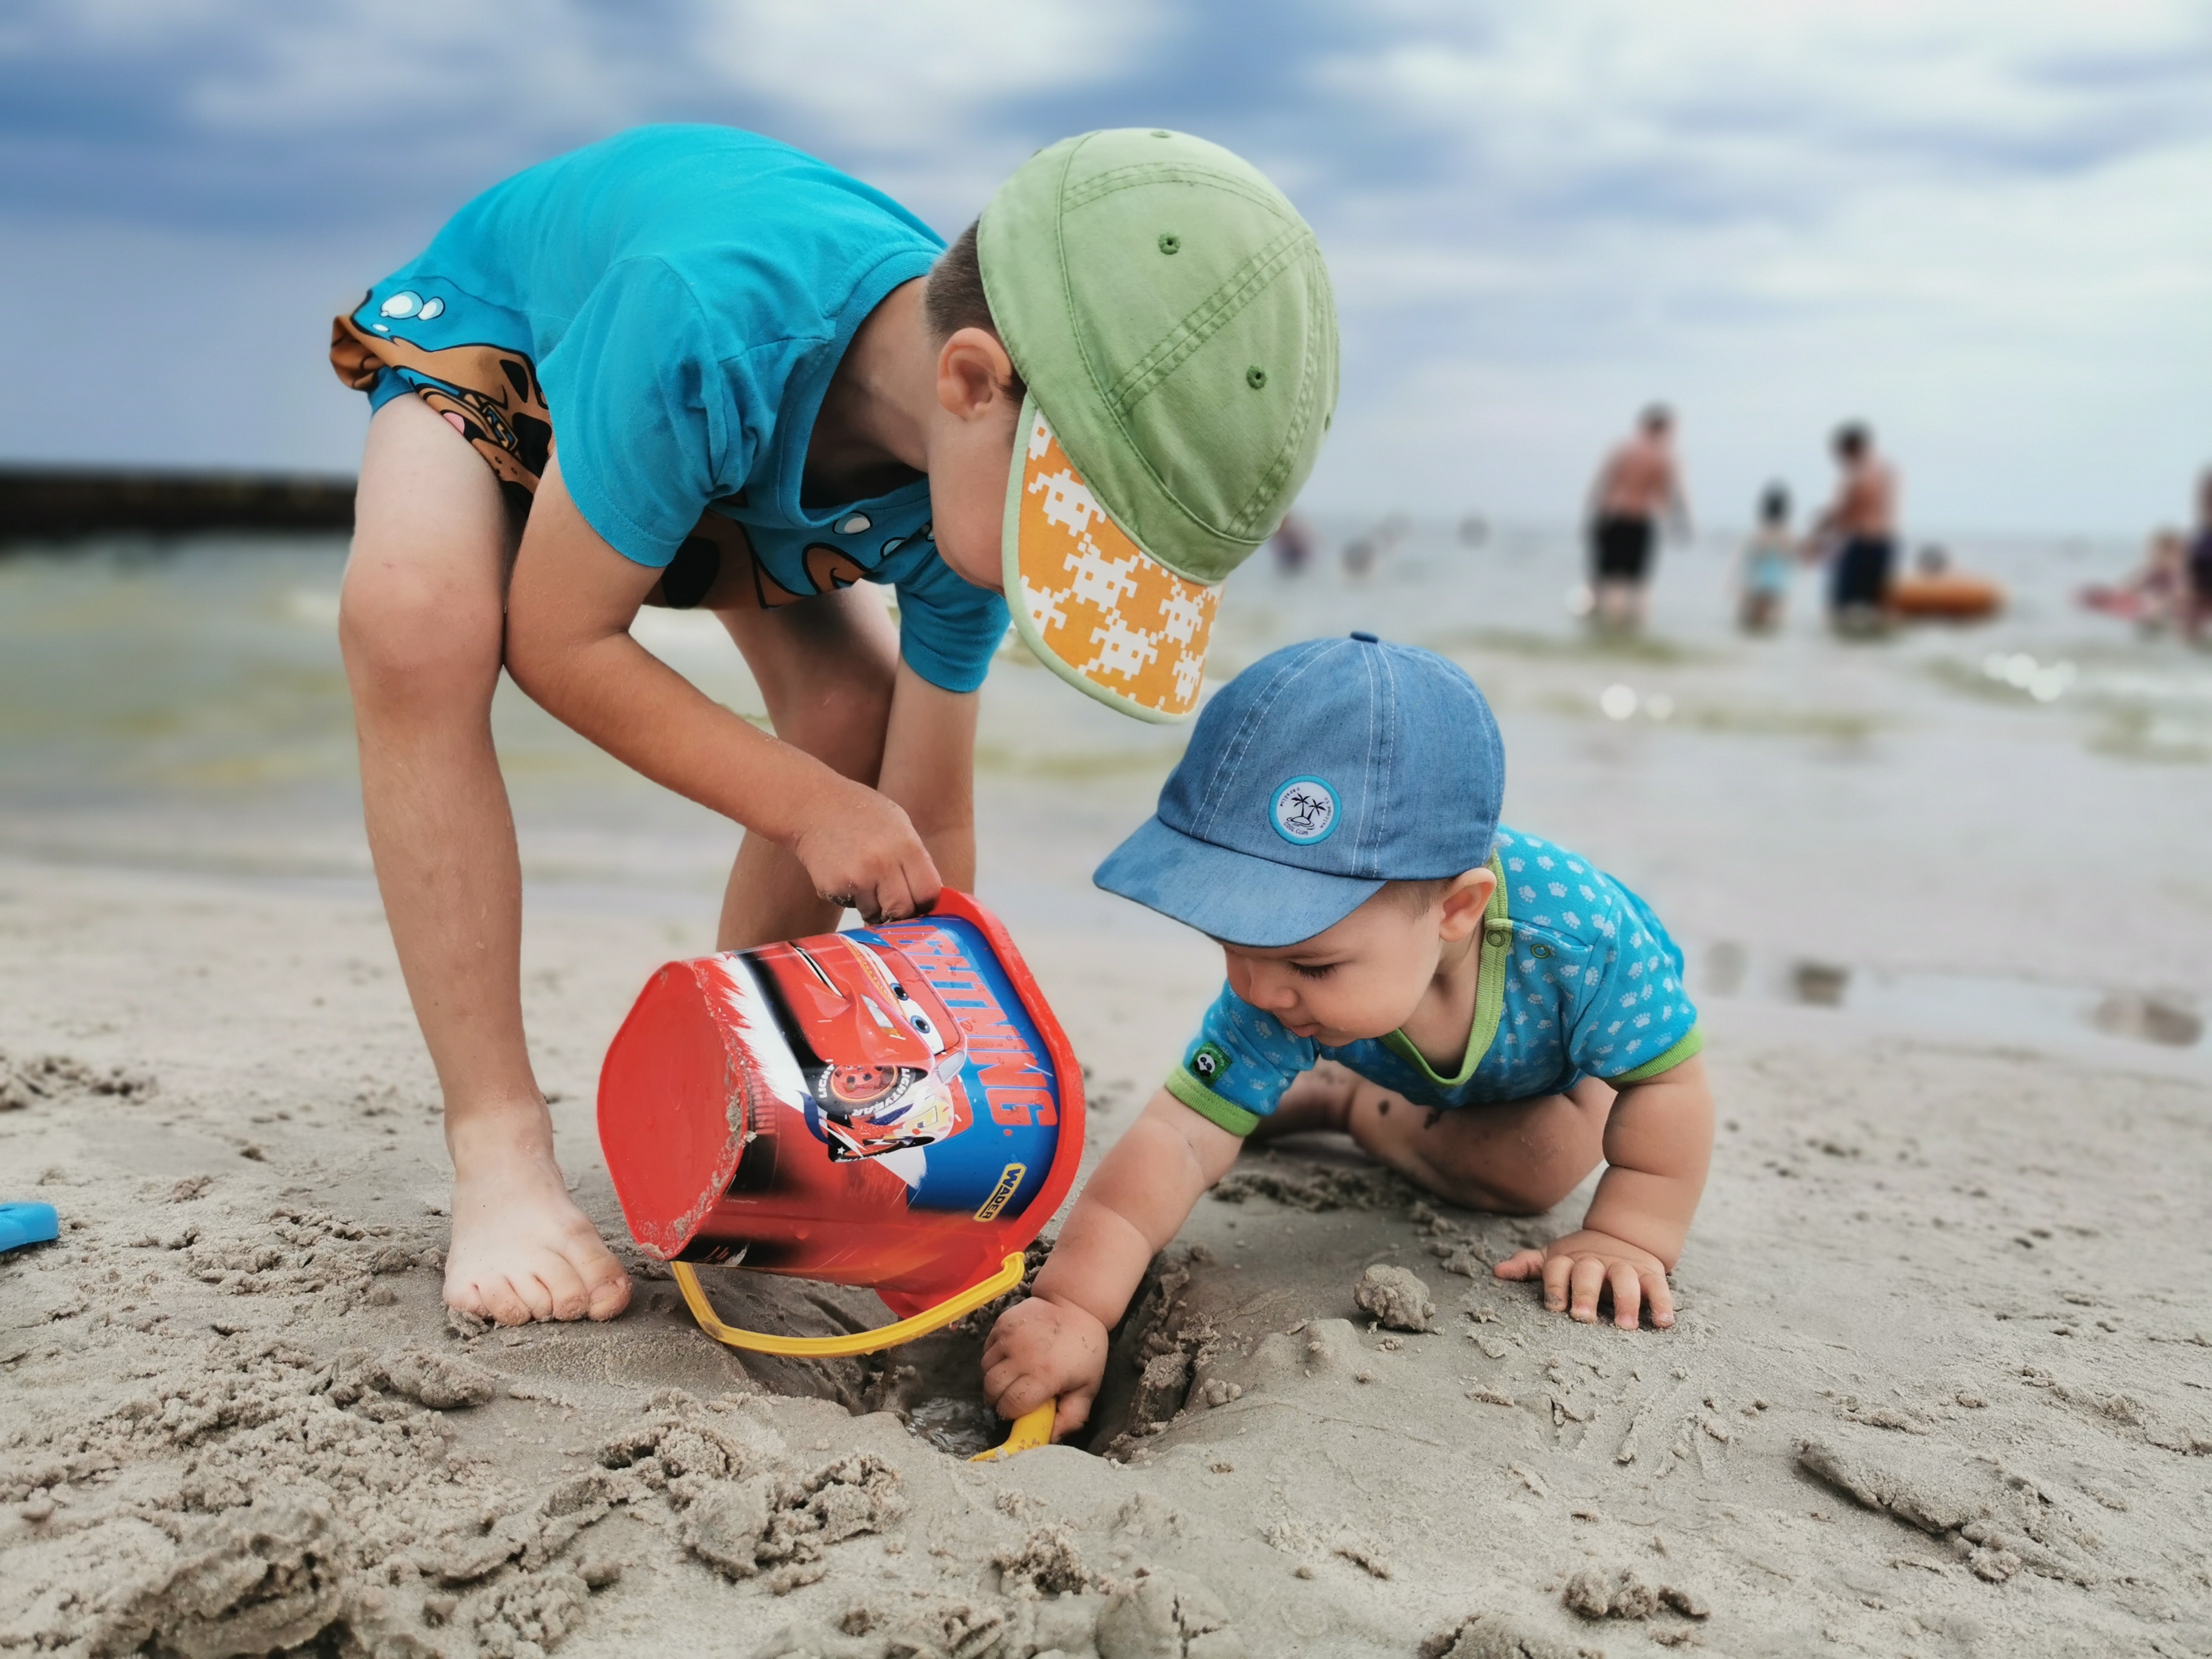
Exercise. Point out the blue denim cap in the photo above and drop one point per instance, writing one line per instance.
(1318, 773)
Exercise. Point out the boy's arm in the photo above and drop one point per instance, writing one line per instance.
(1055, 1344)
(929, 768)
(570, 607)
(1658, 1144)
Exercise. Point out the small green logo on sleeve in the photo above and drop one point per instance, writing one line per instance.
(1209, 1064)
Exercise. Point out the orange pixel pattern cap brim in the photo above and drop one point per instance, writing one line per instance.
(1094, 607)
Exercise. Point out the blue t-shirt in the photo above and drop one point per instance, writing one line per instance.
(1578, 979)
(684, 294)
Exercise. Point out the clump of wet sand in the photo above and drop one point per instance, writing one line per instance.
(1397, 1297)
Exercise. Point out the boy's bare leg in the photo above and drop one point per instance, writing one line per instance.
(420, 620)
(825, 667)
(1521, 1157)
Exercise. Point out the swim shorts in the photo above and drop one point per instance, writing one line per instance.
(1621, 546)
(2200, 566)
(489, 394)
(1862, 569)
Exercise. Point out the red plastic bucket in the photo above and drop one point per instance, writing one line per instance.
(894, 1107)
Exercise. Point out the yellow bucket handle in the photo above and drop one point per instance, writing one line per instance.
(834, 1347)
(1031, 1430)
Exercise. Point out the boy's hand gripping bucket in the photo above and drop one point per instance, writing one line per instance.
(894, 1107)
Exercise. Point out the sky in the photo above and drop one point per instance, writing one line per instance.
(1980, 226)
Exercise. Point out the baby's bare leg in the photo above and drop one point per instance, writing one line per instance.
(1319, 1100)
(1521, 1157)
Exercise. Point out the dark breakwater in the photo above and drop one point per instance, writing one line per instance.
(49, 504)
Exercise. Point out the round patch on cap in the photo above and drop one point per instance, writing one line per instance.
(1304, 811)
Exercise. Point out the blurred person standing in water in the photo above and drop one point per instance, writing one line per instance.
(2154, 596)
(2196, 601)
(1859, 532)
(1768, 564)
(1365, 551)
(1637, 487)
(1292, 544)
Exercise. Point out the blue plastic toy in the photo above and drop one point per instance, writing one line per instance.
(28, 1224)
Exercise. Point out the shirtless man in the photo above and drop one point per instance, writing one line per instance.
(1860, 527)
(1637, 485)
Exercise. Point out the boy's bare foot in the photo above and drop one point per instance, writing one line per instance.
(521, 1249)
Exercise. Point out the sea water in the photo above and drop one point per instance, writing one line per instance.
(1897, 809)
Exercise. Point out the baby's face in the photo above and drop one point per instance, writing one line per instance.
(1362, 978)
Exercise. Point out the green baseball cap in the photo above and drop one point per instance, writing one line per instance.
(1170, 314)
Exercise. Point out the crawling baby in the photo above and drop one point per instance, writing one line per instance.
(1484, 1011)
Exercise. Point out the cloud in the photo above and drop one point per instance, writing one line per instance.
(924, 71)
(259, 114)
(1968, 220)
(1958, 219)
(265, 113)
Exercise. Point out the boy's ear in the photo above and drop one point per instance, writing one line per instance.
(974, 372)
(1464, 903)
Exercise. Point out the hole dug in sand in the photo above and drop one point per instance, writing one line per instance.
(934, 1385)
(1156, 1369)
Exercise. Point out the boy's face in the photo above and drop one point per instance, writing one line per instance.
(1364, 977)
(971, 451)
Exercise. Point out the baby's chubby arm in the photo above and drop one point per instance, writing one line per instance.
(1658, 1144)
(1055, 1344)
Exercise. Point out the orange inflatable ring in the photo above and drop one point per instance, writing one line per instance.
(1951, 597)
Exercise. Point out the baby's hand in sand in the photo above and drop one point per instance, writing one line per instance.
(1040, 1349)
(1576, 1268)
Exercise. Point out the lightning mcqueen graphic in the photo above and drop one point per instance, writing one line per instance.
(880, 1057)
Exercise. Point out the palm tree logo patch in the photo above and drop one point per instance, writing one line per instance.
(1305, 811)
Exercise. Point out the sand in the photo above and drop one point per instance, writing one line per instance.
(1942, 1383)
(1939, 1384)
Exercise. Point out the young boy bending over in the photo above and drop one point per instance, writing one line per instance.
(692, 367)
(1485, 1012)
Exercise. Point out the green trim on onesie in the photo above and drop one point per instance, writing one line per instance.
(1489, 993)
(1225, 1114)
(1689, 1046)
